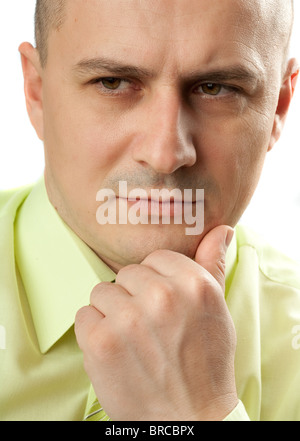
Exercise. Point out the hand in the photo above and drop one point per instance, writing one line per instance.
(159, 344)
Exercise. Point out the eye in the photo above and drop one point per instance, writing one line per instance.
(211, 89)
(111, 83)
(214, 89)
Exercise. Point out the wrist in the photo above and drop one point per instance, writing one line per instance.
(219, 408)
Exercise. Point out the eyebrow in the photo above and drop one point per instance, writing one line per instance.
(97, 66)
(233, 73)
(105, 66)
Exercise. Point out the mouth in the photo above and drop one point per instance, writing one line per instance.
(161, 206)
(171, 208)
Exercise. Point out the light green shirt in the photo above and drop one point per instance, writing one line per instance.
(47, 273)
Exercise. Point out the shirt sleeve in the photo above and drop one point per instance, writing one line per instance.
(239, 413)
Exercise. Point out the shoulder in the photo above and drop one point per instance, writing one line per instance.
(10, 200)
(273, 264)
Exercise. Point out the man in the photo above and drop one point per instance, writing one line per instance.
(170, 95)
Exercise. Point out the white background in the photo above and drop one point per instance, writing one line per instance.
(275, 209)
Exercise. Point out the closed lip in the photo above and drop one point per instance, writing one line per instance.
(160, 201)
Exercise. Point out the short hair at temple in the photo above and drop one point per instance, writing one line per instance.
(49, 15)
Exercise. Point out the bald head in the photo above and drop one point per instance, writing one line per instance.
(280, 16)
(50, 15)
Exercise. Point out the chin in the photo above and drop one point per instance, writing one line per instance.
(134, 246)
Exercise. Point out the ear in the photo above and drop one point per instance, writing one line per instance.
(32, 73)
(284, 101)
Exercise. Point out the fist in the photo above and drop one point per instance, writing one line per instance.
(159, 344)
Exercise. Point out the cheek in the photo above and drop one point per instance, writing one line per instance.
(234, 158)
(81, 145)
(80, 152)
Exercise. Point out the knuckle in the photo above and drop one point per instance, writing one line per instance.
(125, 272)
(98, 289)
(162, 300)
(103, 345)
(129, 321)
(95, 340)
(203, 290)
(108, 346)
(196, 283)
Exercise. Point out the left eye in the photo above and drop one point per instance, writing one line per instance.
(112, 83)
(211, 88)
(214, 89)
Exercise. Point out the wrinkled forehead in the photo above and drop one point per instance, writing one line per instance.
(166, 32)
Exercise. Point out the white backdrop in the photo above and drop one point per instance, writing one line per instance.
(275, 209)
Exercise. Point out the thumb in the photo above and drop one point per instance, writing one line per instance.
(211, 252)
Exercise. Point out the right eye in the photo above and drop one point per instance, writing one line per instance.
(113, 85)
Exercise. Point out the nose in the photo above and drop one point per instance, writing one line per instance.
(165, 141)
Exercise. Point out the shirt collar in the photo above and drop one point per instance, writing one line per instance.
(57, 268)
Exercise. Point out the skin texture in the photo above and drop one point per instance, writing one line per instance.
(159, 133)
(161, 126)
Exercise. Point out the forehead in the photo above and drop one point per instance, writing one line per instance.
(161, 34)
